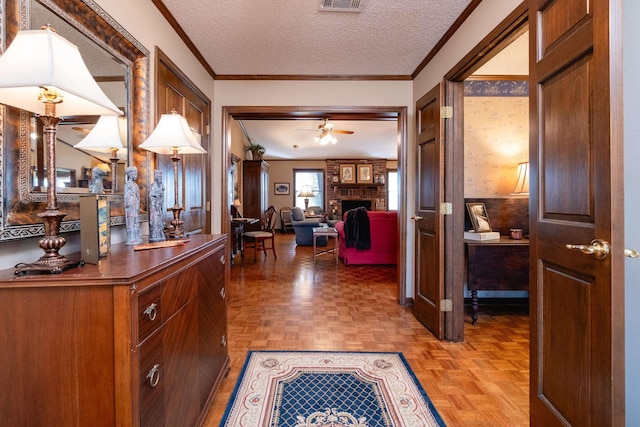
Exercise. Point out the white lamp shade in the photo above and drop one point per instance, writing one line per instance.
(42, 58)
(173, 132)
(108, 133)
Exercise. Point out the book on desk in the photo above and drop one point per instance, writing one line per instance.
(487, 235)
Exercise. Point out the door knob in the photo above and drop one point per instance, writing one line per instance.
(598, 248)
(416, 217)
(631, 253)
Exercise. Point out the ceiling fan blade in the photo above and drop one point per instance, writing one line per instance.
(79, 129)
(345, 132)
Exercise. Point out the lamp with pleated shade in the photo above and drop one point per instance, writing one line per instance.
(108, 135)
(44, 73)
(173, 136)
(306, 193)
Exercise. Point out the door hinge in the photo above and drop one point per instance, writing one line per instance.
(446, 208)
(208, 207)
(446, 112)
(208, 129)
(446, 305)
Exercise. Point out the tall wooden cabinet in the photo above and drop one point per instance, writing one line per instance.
(138, 340)
(255, 191)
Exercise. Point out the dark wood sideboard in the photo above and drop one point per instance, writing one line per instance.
(139, 339)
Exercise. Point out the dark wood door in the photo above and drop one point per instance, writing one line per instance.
(577, 356)
(429, 235)
(175, 92)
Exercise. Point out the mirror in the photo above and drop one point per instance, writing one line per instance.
(124, 80)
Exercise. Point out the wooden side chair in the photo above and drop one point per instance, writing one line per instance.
(257, 239)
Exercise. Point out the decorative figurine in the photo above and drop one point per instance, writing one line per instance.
(156, 209)
(132, 206)
(97, 175)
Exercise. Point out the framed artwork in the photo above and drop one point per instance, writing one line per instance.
(479, 217)
(365, 174)
(348, 173)
(281, 188)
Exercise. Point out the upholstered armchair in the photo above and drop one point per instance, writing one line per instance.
(303, 227)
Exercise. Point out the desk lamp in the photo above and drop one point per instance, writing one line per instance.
(43, 73)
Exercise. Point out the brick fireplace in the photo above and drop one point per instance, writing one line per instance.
(374, 195)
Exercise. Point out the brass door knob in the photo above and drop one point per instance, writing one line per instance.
(631, 253)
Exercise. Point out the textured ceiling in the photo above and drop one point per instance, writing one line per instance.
(292, 37)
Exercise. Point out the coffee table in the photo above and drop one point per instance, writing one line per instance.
(328, 232)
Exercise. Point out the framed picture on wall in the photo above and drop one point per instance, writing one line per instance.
(281, 188)
(348, 173)
(365, 174)
(479, 217)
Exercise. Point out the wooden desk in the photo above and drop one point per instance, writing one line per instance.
(237, 229)
(496, 265)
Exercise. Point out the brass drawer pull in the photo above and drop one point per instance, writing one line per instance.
(222, 259)
(151, 311)
(222, 293)
(223, 341)
(154, 375)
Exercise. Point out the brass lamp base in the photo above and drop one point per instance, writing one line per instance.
(51, 261)
(176, 231)
(45, 266)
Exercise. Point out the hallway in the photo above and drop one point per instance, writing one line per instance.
(291, 304)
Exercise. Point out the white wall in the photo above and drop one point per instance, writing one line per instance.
(631, 35)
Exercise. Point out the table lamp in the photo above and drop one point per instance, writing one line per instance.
(44, 73)
(107, 136)
(173, 136)
(306, 193)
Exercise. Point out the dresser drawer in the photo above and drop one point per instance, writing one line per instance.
(149, 312)
(152, 382)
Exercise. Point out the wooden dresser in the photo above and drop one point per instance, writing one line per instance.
(138, 340)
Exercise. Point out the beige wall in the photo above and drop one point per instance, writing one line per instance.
(282, 171)
(496, 139)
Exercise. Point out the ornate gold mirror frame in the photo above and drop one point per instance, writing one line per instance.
(19, 204)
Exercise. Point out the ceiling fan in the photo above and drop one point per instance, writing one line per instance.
(325, 133)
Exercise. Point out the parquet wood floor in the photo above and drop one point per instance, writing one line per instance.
(291, 304)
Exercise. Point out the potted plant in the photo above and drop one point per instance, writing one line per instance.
(256, 150)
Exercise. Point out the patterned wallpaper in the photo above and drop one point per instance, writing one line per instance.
(496, 136)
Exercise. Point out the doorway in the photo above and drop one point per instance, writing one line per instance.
(399, 114)
(513, 27)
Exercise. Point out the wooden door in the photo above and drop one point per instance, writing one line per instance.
(429, 235)
(577, 345)
(175, 92)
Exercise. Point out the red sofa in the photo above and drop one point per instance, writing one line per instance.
(384, 240)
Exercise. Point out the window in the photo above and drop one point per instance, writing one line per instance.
(392, 190)
(308, 180)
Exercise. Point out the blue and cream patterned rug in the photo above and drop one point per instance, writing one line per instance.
(328, 389)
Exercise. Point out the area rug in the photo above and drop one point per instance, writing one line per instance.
(328, 389)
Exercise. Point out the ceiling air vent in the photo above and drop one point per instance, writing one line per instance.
(341, 5)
